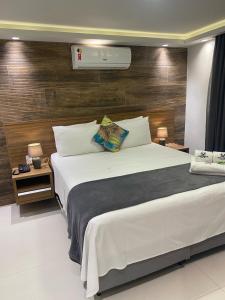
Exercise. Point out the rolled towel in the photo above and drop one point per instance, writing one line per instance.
(203, 168)
(219, 157)
(203, 156)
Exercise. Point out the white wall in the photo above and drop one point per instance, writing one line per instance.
(198, 74)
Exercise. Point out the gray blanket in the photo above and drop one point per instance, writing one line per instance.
(90, 199)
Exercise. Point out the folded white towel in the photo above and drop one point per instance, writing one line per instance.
(206, 168)
(203, 156)
(219, 157)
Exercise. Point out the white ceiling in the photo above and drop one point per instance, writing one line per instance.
(163, 16)
(177, 16)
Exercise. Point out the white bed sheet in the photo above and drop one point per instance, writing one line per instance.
(116, 239)
(72, 170)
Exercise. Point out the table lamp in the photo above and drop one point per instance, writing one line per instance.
(162, 134)
(35, 152)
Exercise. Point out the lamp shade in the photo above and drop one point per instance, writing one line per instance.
(162, 132)
(35, 150)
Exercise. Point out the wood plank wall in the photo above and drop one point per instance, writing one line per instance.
(37, 82)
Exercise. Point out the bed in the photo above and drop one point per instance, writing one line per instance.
(150, 236)
(126, 244)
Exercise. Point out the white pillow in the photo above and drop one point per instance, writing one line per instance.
(83, 124)
(76, 125)
(128, 121)
(76, 140)
(139, 133)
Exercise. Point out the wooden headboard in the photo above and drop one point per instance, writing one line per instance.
(18, 136)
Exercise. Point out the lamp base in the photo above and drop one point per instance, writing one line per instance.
(162, 142)
(36, 162)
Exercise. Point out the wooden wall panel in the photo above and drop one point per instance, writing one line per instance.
(18, 136)
(6, 195)
(37, 83)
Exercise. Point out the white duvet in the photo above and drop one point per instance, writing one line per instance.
(116, 239)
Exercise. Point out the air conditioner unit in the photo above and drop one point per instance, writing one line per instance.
(101, 58)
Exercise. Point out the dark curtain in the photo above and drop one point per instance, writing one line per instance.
(215, 121)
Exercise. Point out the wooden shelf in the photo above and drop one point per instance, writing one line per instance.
(33, 186)
(45, 170)
(178, 147)
(44, 195)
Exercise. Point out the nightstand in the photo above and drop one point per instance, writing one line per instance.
(33, 186)
(178, 147)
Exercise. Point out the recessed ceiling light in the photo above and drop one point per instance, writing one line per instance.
(15, 38)
(165, 45)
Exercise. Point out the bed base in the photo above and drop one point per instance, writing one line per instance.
(141, 269)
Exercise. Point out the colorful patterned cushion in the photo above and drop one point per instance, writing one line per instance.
(110, 135)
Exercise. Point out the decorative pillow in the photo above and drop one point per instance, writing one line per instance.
(110, 135)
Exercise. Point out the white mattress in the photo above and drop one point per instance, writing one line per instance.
(73, 170)
(116, 239)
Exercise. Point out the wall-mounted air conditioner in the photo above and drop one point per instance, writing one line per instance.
(101, 58)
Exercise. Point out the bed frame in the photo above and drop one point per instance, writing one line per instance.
(141, 269)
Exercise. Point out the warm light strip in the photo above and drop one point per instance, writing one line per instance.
(205, 29)
(109, 32)
(87, 30)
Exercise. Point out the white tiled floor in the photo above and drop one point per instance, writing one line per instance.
(34, 265)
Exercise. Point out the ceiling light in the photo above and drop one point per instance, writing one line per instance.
(165, 45)
(15, 38)
(95, 42)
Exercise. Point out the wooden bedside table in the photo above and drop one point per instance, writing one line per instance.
(33, 186)
(178, 147)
